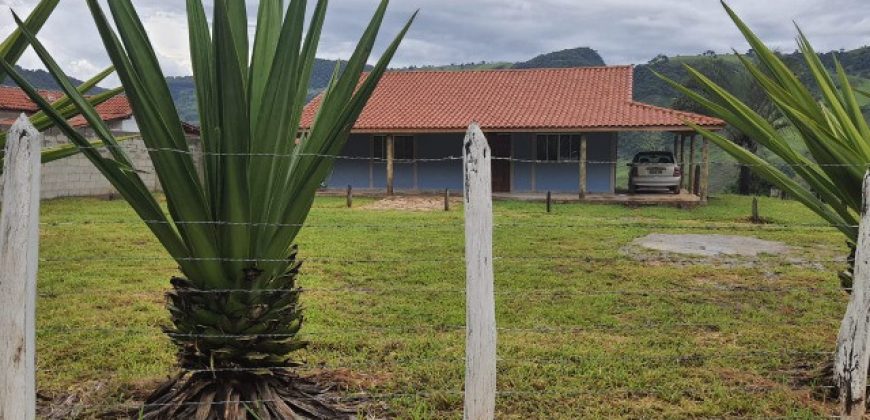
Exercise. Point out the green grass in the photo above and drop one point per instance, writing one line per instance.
(700, 343)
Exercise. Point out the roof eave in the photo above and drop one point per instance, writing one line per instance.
(603, 129)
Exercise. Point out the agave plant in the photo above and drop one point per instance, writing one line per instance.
(832, 128)
(11, 50)
(235, 310)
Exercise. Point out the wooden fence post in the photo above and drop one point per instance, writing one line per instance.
(350, 196)
(447, 199)
(756, 217)
(549, 201)
(19, 259)
(480, 334)
(853, 343)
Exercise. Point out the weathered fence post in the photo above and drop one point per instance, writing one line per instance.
(19, 252)
(480, 334)
(350, 196)
(447, 199)
(853, 342)
(756, 217)
(549, 201)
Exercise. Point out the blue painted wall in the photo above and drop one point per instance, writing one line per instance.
(352, 172)
(565, 177)
(436, 176)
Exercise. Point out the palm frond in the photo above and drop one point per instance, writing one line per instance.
(831, 127)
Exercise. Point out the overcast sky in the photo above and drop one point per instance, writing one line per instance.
(456, 31)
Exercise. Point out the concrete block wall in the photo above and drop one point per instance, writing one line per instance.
(75, 176)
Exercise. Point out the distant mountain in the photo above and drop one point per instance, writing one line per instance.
(41, 79)
(651, 89)
(483, 65)
(576, 57)
(183, 89)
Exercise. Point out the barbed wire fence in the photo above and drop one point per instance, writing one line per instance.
(479, 392)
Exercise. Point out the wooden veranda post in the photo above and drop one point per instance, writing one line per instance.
(682, 160)
(691, 173)
(19, 252)
(584, 173)
(853, 343)
(705, 170)
(480, 334)
(391, 157)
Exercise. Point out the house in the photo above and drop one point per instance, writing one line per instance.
(75, 176)
(116, 112)
(546, 127)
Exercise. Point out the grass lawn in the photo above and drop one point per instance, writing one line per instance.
(586, 329)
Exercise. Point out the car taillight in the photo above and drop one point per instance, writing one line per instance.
(634, 170)
(678, 171)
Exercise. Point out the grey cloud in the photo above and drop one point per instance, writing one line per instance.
(453, 31)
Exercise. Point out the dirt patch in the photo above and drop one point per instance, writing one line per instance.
(408, 203)
(96, 399)
(712, 245)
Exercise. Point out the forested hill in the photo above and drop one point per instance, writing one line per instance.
(41, 79)
(577, 57)
(184, 94)
(649, 88)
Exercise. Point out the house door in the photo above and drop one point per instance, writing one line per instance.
(500, 144)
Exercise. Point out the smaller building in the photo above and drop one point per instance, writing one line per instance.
(116, 112)
(76, 176)
(549, 129)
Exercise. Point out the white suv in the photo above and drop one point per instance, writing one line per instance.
(655, 170)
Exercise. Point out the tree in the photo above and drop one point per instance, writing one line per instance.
(659, 59)
(235, 307)
(832, 128)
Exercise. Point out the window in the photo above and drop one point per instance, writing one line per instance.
(558, 147)
(403, 146)
(654, 157)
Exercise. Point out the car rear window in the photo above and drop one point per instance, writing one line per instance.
(654, 158)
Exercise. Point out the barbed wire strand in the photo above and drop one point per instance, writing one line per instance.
(592, 224)
(393, 289)
(447, 158)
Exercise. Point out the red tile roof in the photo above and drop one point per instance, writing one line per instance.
(13, 99)
(586, 98)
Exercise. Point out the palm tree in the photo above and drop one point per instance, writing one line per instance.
(235, 308)
(11, 50)
(831, 127)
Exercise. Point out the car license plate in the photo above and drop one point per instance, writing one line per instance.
(656, 171)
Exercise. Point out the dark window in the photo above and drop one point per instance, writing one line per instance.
(654, 157)
(558, 147)
(379, 147)
(403, 146)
